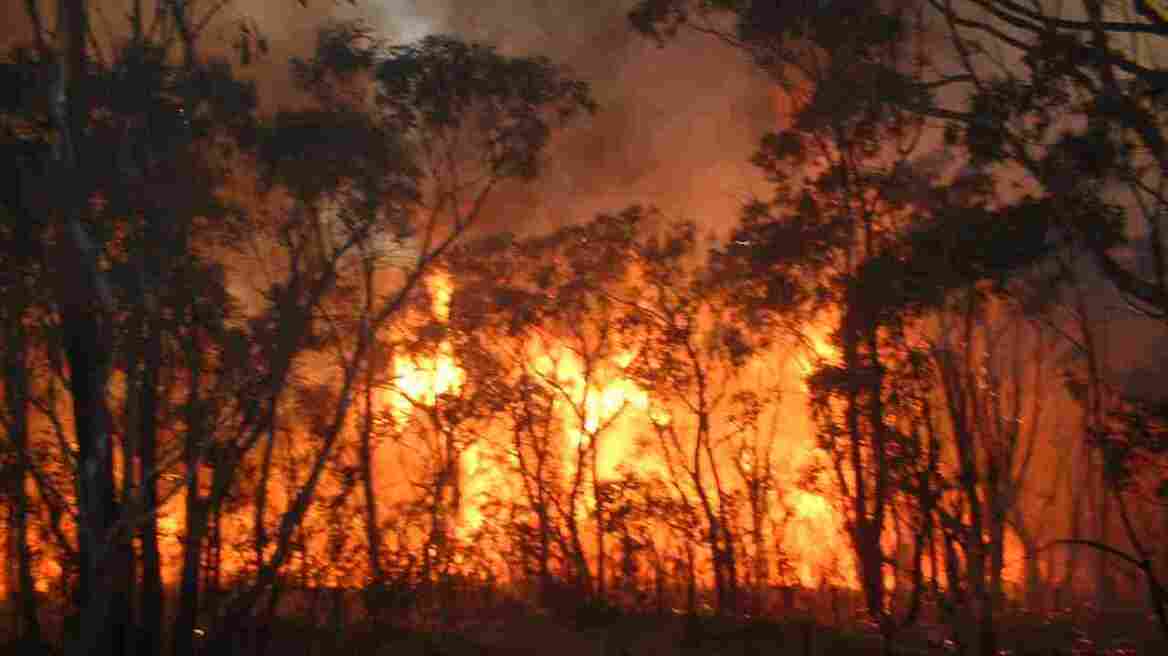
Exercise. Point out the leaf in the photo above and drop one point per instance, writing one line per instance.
(442, 84)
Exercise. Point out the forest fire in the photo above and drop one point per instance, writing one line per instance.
(421, 380)
(655, 326)
(606, 406)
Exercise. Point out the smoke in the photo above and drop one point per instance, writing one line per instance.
(676, 125)
(675, 129)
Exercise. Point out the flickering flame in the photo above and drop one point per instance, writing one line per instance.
(592, 406)
(821, 350)
(598, 402)
(421, 380)
(813, 540)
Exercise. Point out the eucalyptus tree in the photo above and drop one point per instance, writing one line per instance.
(854, 220)
(124, 160)
(562, 339)
(1083, 118)
(695, 348)
(453, 122)
(1064, 100)
(117, 123)
(803, 255)
(491, 305)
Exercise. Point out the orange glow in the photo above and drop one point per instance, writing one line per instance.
(816, 341)
(814, 540)
(592, 406)
(601, 403)
(598, 402)
(419, 380)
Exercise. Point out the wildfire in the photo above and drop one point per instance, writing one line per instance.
(813, 540)
(594, 405)
(419, 380)
(598, 402)
(819, 349)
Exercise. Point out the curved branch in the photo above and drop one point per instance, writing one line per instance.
(1099, 546)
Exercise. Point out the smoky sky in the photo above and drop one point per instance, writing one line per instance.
(675, 128)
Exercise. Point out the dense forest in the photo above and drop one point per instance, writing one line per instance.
(294, 375)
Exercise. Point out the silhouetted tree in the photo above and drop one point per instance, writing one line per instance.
(694, 351)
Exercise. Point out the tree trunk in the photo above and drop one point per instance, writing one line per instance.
(545, 555)
(691, 583)
(598, 499)
(759, 567)
(212, 568)
(582, 574)
(11, 582)
(1066, 590)
(1032, 575)
(186, 615)
(871, 561)
(731, 556)
(16, 397)
(84, 300)
(372, 528)
(997, 557)
(152, 596)
(101, 567)
(123, 597)
(1104, 582)
(261, 535)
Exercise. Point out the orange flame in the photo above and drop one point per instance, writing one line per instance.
(602, 400)
(423, 380)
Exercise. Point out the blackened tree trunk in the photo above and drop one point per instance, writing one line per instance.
(185, 619)
(213, 553)
(123, 546)
(598, 498)
(372, 530)
(83, 301)
(16, 392)
(151, 599)
(96, 490)
(260, 538)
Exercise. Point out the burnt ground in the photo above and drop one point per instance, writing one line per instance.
(540, 634)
